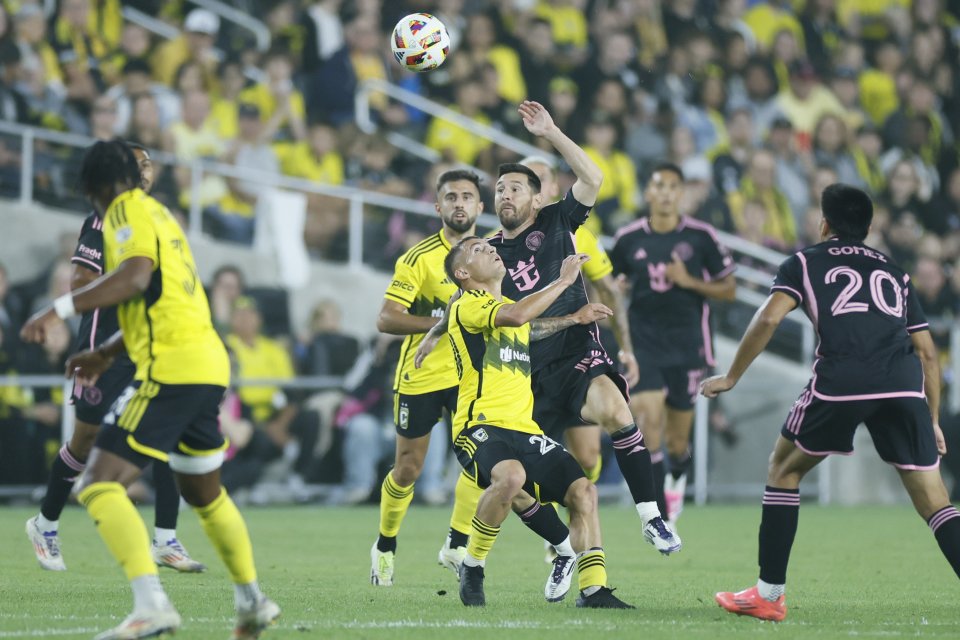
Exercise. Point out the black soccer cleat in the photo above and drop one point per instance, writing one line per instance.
(471, 586)
(602, 599)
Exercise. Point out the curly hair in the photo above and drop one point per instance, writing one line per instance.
(105, 164)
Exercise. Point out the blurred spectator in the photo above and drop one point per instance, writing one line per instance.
(649, 131)
(822, 34)
(569, 27)
(704, 117)
(759, 184)
(11, 307)
(936, 297)
(730, 159)
(194, 138)
(13, 107)
(903, 193)
(135, 44)
(793, 166)
(281, 105)
(617, 199)
(47, 358)
(805, 101)
(563, 102)
(878, 87)
(223, 113)
(700, 200)
(866, 152)
(327, 351)
(538, 61)
(615, 59)
(30, 33)
(918, 125)
(753, 227)
(315, 158)
(767, 19)
(103, 118)
(843, 83)
(323, 33)
(84, 33)
(226, 286)
(200, 31)
(136, 84)
(760, 94)
(453, 142)
(830, 140)
(233, 216)
(480, 47)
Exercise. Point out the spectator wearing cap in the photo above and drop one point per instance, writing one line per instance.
(316, 158)
(805, 101)
(200, 30)
(137, 82)
(617, 198)
(878, 86)
(280, 103)
(767, 19)
(759, 184)
(730, 159)
(233, 217)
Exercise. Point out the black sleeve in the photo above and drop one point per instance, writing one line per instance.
(717, 259)
(789, 279)
(574, 213)
(617, 257)
(89, 251)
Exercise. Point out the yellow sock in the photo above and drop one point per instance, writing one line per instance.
(466, 495)
(394, 502)
(593, 474)
(482, 537)
(226, 529)
(591, 569)
(120, 526)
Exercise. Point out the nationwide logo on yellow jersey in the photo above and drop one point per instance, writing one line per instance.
(508, 354)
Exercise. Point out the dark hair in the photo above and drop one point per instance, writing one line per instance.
(668, 166)
(136, 146)
(458, 174)
(513, 167)
(449, 263)
(136, 65)
(107, 163)
(227, 268)
(848, 211)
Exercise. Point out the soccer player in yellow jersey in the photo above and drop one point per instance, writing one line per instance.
(583, 440)
(495, 436)
(170, 410)
(414, 302)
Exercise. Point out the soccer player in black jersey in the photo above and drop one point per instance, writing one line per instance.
(674, 264)
(876, 363)
(91, 405)
(574, 380)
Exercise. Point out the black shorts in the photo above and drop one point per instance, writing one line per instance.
(415, 415)
(560, 389)
(901, 428)
(90, 404)
(550, 468)
(150, 420)
(680, 384)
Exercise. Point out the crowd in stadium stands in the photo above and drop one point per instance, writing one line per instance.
(762, 104)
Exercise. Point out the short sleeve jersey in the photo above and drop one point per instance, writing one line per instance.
(864, 309)
(167, 330)
(670, 326)
(493, 364)
(420, 284)
(98, 325)
(598, 266)
(533, 261)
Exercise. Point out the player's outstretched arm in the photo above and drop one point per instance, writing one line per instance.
(88, 365)
(520, 313)
(128, 280)
(755, 340)
(395, 320)
(538, 121)
(541, 328)
(927, 352)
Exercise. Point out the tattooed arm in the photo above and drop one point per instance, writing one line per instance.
(541, 328)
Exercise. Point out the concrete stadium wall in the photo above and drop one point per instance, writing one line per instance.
(32, 235)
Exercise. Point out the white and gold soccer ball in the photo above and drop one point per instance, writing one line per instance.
(420, 42)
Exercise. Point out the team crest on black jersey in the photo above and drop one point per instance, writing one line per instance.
(535, 240)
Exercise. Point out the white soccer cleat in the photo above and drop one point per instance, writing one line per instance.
(451, 558)
(558, 582)
(173, 555)
(674, 492)
(252, 622)
(46, 546)
(381, 567)
(664, 540)
(144, 624)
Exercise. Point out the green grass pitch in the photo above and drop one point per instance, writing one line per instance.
(865, 572)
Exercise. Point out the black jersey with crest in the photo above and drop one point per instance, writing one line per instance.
(864, 309)
(97, 325)
(669, 325)
(533, 261)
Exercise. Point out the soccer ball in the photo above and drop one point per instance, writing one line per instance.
(420, 42)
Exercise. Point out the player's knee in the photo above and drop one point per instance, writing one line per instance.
(508, 478)
(407, 469)
(582, 497)
(82, 440)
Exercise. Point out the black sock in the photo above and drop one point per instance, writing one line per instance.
(544, 521)
(168, 497)
(633, 459)
(659, 472)
(387, 545)
(680, 465)
(778, 527)
(457, 538)
(63, 473)
(945, 525)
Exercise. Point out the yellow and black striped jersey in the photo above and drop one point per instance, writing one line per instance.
(420, 284)
(598, 266)
(493, 364)
(167, 330)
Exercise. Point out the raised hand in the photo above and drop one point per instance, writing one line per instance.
(536, 118)
(87, 366)
(570, 269)
(35, 329)
(676, 272)
(591, 312)
(715, 385)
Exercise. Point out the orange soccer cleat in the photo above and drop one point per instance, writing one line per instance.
(750, 603)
